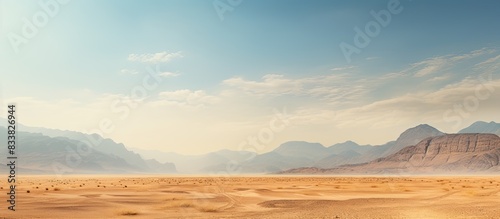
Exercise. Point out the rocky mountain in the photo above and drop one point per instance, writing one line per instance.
(463, 153)
(411, 137)
(482, 127)
(445, 154)
(353, 153)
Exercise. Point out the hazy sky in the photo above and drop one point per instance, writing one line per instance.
(217, 76)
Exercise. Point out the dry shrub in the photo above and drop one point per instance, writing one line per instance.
(128, 212)
(207, 208)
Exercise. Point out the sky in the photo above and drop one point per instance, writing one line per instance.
(198, 76)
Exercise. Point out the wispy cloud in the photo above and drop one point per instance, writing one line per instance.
(168, 74)
(185, 98)
(442, 63)
(154, 57)
(343, 68)
(271, 84)
(333, 89)
(490, 64)
(429, 66)
(419, 106)
(440, 78)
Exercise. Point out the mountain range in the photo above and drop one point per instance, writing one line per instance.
(43, 147)
(297, 154)
(43, 150)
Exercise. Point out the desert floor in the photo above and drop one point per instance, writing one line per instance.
(255, 197)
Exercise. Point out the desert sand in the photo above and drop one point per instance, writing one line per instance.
(117, 196)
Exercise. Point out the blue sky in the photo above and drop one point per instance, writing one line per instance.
(222, 78)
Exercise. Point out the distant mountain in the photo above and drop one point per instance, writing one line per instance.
(273, 162)
(287, 155)
(206, 163)
(109, 156)
(98, 145)
(348, 146)
(42, 154)
(343, 153)
(312, 151)
(334, 160)
(302, 154)
(290, 155)
(482, 127)
(412, 136)
(97, 142)
(448, 154)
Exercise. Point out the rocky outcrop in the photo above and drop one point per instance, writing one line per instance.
(452, 153)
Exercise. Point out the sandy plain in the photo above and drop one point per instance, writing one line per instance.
(91, 196)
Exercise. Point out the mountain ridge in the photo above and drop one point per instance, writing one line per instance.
(289, 155)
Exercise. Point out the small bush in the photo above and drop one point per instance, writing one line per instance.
(128, 213)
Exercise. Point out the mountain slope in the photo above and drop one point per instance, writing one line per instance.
(41, 154)
(100, 144)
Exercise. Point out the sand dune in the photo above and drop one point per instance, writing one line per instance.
(256, 197)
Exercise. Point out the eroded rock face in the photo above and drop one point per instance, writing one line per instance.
(451, 154)
(459, 143)
(460, 152)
